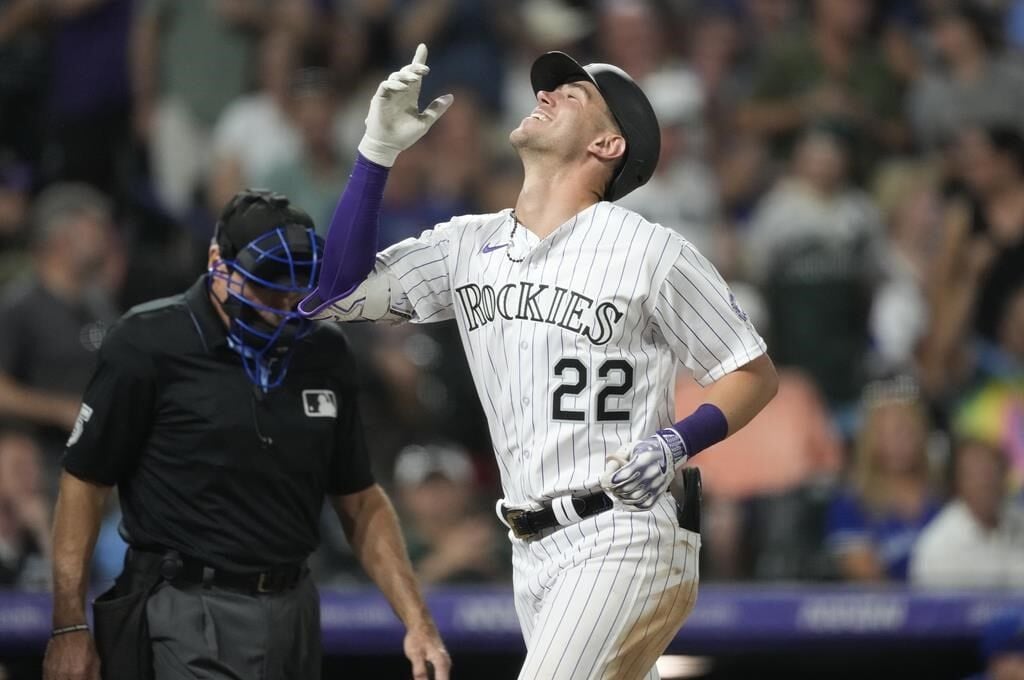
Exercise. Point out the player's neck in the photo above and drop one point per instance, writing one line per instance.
(546, 202)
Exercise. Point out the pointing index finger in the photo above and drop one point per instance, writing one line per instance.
(421, 54)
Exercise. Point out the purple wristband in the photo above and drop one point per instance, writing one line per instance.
(351, 246)
(703, 428)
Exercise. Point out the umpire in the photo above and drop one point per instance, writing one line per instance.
(224, 418)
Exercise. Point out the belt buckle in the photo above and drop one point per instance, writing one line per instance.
(517, 519)
(261, 583)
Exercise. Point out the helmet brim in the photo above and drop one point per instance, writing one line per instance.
(557, 68)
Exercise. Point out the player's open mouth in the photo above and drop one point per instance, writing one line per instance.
(538, 115)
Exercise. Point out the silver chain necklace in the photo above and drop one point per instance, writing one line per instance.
(511, 238)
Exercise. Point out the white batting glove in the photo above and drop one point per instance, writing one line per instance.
(639, 472)
(395, 122)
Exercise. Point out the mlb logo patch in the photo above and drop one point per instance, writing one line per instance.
(320, 403)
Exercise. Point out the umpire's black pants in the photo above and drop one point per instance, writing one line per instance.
(218, 634)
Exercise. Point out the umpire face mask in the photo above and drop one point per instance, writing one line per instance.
(264, 281)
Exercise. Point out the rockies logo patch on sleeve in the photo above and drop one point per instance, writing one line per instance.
(320, 403)
(736, 307)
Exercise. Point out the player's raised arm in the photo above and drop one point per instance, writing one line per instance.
(393, 124)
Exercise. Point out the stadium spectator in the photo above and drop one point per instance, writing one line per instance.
(89, 110)
(315, 173)
(24, 515)
(466, 45)
(977, 540)
(972, 83)
(683, 194)
(15, 184)
(53, 321)
(189, 60)
(716, 57)
(636, 36)
(874, 524)
(265, 115)
(814, 247)
(981, 254)
(416, 387)
(829, 72)
(992, 408)
(450, 539)
(764, 24)
(742, 169)
(992, 161)
(23, 66)
(454, 184)
(908, 195)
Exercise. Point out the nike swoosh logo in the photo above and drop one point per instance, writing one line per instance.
(488, 248)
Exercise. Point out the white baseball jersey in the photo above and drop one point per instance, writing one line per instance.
(573, 340)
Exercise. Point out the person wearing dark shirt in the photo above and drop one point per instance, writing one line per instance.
(451, 539)
(224, 419)
(52, 321)
(980, 258)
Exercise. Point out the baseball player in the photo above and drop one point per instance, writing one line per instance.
(573, 313)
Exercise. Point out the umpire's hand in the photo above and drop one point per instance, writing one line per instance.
(71, 656)
(423, 647)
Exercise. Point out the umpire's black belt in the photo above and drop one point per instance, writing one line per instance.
(562, 511)
(184, 570)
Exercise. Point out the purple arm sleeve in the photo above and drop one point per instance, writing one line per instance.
(699, 430)
(351, 239)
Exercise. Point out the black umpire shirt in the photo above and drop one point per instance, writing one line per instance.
(204, 462)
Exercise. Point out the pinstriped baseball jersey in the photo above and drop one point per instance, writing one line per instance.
(572, 340)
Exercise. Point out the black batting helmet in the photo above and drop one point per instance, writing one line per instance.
(628, 104)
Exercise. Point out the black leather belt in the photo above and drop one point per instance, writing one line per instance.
(529, 523)
(182, 569)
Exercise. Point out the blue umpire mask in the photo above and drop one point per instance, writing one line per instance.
(283, 261)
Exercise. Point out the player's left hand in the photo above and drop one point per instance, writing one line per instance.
(638, 473)
(423, 645)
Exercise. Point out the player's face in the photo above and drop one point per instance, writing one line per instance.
(565, 121)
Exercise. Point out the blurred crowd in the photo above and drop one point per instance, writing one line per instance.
(855, 169)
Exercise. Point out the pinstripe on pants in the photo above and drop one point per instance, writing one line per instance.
(601, 600)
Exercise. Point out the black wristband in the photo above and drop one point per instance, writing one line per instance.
(68, 629)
